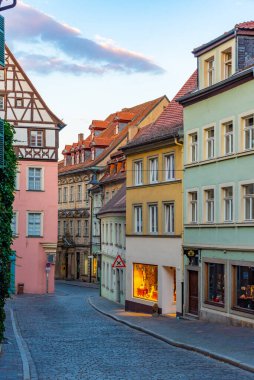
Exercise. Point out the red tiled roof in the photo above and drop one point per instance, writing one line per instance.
(99, 124)
(245, 25)
(124, 116)
(140, 112)
(170, 121)
(101, 141)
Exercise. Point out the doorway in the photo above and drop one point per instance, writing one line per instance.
(193, 292)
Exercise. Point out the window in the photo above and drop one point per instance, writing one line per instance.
(228, 204)
(244, 292)
(59, 195)
(193, 147)
(169, 167)
(138, 219)
(209, 205)
(78, 228)
(193, 206)
(138, 172)
(1, 102)
(79, 193)
(210, 71)
(249, 202)
(153, 167)
(120, 235)
(249, 132)
(59, 228)
(227, 58)
(36, 138)
(14, 224)
(107, 233)
(64, 227)
(65, 192)
(169, 218)
(86, 233)
(210, 143)
(34, 224)
(153, 218)
(111, 233)
(215, 283)
(106, 197)
(145, 281)
(228, 138)
(71, 193)
(71, 227)
(34, 179)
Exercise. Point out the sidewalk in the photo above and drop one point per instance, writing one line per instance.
(11, 367)
(78, 283)
(233, 345)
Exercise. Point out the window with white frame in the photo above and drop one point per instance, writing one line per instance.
(79, 193)
(209, 198)
(36, 138)
(227, 60)
(78, 228)
(64, 227)
(120, 234)
(71, 193)
(111, 233)
(86, 232)
(59, 228)
(71, 227)
(116, 234)
(169, 218)
(210, 71)
(14, 224)
(228, 138)
(138, 219)
(34, 224)
(59, 195)
(193, 197)
(228, 203)
(138, 166)
(34, 179)
(153, 218)
(193, 147)
(153, 170)
(249, 201)
(169, 165)
(107, 233)
(249, 132)
(209, 142)
(65, 193)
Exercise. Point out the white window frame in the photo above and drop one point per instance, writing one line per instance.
(193, 206)
(193, 147)
(71, 230)
(153, 169)
(169, 165)
(41, 178)
(14, 223)
(250, 131)
(227, 63)
(138, 219)
(36, 134)
(153, 218)
(41, 224)
(228, 201)
(210, 71)
(209, 202)
(210, 143)
(228, 138)
(138, 172)
(169, 220)
(250, 198)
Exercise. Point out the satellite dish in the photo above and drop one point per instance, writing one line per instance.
(7, 4)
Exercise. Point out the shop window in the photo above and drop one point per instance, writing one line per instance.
(215, 282)
(145, 281)
(244, 292)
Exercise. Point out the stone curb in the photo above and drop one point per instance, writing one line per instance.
(199, 350)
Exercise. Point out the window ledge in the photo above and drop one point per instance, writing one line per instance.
(243, 310)
(34, 236)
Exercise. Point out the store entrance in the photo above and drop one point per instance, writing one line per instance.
(193, 292)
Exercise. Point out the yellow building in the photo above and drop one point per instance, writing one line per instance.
(154, 262)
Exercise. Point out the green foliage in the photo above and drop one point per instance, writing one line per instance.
(7, 187)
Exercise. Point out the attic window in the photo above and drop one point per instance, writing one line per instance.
(19, 102)
(117, 129)
(92, 154)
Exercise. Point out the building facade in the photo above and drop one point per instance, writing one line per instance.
(85, 163)
(154, 262)
(219, 182)
(35, 206)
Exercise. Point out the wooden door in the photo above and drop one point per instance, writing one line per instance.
(193, 292)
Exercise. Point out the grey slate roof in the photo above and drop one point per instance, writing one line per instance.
(117, 204)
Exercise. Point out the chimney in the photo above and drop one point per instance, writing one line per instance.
(80, 136)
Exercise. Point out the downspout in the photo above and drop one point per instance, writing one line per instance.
(99, 266)
(91, 236)
(182, 282)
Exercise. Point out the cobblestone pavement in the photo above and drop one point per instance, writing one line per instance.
(67, 339)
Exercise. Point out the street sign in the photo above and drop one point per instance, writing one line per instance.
(7, 4)
(90, 257)
(118, 263)
(48, 267)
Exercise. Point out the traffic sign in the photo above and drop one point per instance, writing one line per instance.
(118, 263)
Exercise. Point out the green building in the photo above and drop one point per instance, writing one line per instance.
(219, 181)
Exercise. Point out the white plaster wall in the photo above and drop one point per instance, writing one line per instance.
(21, 136)
(164, 252)
(50, 138)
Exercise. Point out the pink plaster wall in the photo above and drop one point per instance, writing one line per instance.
(31, 257)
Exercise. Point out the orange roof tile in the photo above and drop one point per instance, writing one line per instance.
(99, 124)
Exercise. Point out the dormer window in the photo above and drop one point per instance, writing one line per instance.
(93, 154)
(117, 129)
(210, 71)
(65, 160)
(227, 62)
(82, 156)
(72, 159)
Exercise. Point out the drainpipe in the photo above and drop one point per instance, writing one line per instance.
(99, 266)
(182, 282)
(91, 236)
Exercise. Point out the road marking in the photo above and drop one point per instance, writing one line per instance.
(20, 343)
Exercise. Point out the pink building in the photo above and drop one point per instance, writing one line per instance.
(35, 206)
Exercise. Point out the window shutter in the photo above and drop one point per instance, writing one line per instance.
(2, 40)
(1, 143)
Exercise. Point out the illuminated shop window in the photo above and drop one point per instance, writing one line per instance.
(145, 281)
(244, 292)
(215, 283)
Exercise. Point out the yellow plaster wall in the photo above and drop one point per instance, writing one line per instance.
(159, 192)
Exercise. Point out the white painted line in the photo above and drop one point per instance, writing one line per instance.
(19, 340)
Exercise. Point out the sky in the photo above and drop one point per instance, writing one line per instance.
(90, 58)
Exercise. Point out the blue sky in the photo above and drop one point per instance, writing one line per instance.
(91, 58)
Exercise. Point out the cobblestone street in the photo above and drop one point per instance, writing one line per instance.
(68, 339)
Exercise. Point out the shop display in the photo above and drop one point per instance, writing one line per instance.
(216, 283)
(245, 287)
(145, 281)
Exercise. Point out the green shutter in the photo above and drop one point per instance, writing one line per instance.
(2, 50)
(1, 143)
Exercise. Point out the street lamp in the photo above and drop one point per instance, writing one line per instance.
(7, 4)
